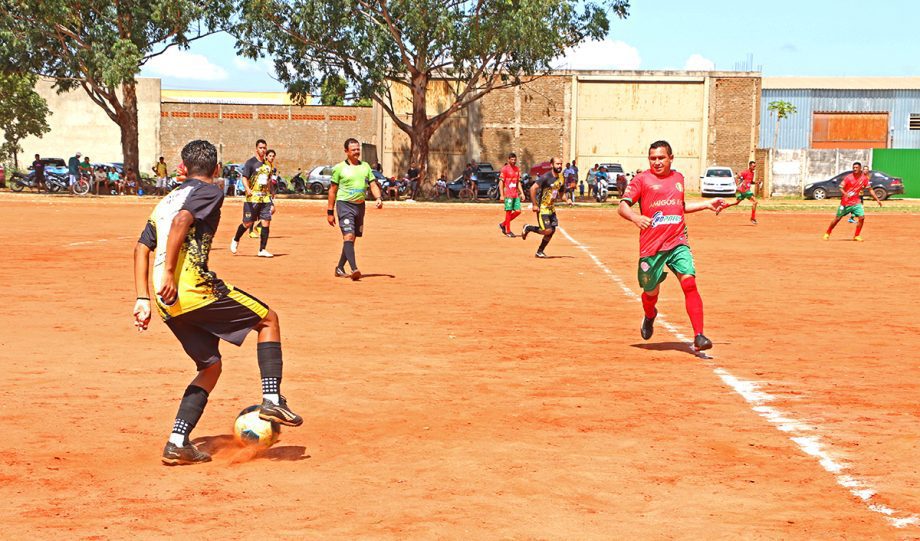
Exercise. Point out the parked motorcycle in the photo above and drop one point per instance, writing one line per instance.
(600, 188)
(54, 183)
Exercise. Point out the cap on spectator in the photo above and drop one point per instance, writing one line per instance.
(78, 154)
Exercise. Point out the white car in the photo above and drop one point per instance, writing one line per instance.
(718, 181)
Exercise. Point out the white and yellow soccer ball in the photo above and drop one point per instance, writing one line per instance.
(249, 429)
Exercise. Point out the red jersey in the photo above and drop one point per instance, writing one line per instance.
(747, 178)
(662, 200)
(852, 188)
(511, 181)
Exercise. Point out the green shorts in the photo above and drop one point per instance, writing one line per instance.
(855, 210)
(741, 196)
(651, 268)
(512, 203)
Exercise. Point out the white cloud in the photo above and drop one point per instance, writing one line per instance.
(600, 55)
(698, 62)
(178, 64)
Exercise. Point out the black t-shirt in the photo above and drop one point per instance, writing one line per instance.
(413, 174)
(39, 168)
(251, 166)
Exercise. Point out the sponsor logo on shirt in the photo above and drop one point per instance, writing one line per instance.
(660, 218)
(679, 187)
(665, 203)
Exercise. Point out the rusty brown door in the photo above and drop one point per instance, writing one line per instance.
(849, 130)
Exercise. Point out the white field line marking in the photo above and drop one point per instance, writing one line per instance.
(96, 241)
(802, 434)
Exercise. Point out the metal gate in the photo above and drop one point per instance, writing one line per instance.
(900, 162)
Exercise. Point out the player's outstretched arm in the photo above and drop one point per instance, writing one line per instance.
(141, 287)
(177, 232)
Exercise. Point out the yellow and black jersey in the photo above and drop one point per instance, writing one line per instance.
(258, 176)
(551, 185)
(197, 286)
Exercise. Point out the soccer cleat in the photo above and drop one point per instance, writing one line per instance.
(857, 238)
(355, 275)
(502, 227)
(852, 220)
(648, 327)
(280, 413)
(173, 455)
(525, 231)
(340, 273)
(827, 236)
(265, 253)
(753, 221)
(510, 235)
(540, 255)
(701, 343)
(233, 246)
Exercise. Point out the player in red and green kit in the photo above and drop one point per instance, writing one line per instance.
(852, 187)
(663, 237)
(745, 191)
(509, 187)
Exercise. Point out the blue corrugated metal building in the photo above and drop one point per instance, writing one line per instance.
(899, 97)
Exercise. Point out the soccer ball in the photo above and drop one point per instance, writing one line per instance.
(249, 429)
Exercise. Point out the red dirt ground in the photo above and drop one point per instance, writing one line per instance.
(465, 389)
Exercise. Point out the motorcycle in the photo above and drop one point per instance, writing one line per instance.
(600, 188)
(54, 183)
(298, 184)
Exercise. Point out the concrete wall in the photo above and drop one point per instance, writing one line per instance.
(790, 170)
(79, 125)
(303, 137)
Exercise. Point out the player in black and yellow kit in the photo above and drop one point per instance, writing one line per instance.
(258, 201)
(546, 190)
(197, 306)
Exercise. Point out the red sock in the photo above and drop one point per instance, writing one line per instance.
(514, 215)
(694, 304)
(859, 227)
(648, 305)
(754, 213)
(507, 223)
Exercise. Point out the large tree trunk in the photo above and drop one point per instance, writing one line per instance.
(127, 121)
(420, 135)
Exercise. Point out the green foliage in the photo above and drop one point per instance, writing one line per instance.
(782, 109)
(22, 112)
(333, 90)
(375, 43)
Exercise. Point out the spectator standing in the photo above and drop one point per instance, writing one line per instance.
(570, 180)
(161, 170)
(73, 167)
(413, 176)
(38, 170)
(590, 179)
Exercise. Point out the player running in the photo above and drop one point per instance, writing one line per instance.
(257, 204)
(850, 202)
(197, 306)
(663, 237)
(745, 190)
(550, 187)
(347, 192)
(509, 188)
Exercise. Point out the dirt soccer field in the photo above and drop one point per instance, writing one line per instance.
(465, 389)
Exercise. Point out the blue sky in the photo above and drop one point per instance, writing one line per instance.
(804, 37)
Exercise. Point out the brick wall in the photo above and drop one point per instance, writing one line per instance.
(734, 121)
(303, 137)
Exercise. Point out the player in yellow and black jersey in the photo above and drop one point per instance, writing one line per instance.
(258, 202)
(547, 189)
(197, 306)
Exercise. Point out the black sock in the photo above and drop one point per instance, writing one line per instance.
(263, 240)
(544, 242)
(190, 409)
(239, 232)
(342, 260)
(531, 228)
(348, 250)
(270, 366)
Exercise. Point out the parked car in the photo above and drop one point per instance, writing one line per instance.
(883, 184)
(319, 179)
(486, 178)
(718, 181)
(2, 175)
(616, 178)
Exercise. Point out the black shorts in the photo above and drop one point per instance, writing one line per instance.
(545, 221)
(230, 318)
(257, 211)
(351, 217)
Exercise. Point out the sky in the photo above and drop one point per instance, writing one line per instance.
(783, 37)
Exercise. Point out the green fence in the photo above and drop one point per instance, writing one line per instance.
(900, 162)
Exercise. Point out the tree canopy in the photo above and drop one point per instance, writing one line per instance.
(376, 45)
(22, 112)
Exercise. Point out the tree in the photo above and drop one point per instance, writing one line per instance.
(476, 47)
(100, 46)
(22, 112)
(782, 109)
(332, 91)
